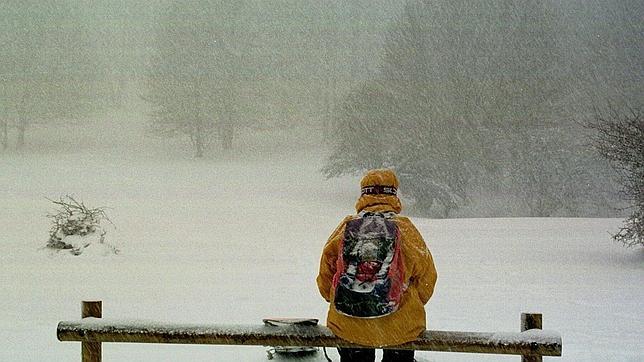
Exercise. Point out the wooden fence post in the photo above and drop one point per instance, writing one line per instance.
(91, 351)
(531, 321)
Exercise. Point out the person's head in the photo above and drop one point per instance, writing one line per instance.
(379, 187)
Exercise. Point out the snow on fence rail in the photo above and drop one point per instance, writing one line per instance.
(531, 343)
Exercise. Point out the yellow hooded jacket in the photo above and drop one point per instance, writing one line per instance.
(408, 321)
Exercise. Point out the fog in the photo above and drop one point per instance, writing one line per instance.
(225, 140)
(479, 107)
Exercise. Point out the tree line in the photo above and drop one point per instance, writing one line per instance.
(469, 102)
(488, 101)
(206, 67)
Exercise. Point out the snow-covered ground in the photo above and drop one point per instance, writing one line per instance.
(237, 238)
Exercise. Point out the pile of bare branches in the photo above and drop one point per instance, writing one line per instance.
(73, 218)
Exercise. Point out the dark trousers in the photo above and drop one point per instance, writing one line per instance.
(369, 355)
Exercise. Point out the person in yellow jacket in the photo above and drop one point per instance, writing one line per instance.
(418, 277)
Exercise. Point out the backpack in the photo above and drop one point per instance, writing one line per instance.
(368, 282)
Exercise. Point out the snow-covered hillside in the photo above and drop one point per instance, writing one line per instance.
(237, 239)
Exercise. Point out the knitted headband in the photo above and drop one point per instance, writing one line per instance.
(379, 190)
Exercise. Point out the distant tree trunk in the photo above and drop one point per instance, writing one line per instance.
(226, 135)
(121, 89)
(199, 148)
(198, 140)
(5, 134)
(22, 129)
(22, 117)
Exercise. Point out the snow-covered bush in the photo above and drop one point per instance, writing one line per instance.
(76, 226)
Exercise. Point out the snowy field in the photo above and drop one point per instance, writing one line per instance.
(237, 238)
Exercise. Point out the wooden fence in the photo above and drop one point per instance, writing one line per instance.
(531, 343)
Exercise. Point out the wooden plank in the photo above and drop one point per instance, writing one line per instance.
(104, 330)
(91, 351)
(531, 321)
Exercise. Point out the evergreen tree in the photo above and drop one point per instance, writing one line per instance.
(609, 43)
(467, 95)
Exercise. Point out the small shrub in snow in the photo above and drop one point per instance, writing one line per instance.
(76, 226)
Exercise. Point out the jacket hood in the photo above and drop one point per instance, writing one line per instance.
(380, 201)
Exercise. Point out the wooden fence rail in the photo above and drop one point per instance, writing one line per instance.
(92, 330)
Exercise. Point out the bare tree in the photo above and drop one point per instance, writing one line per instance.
(197, 76)
(619, 137)
(47, 71)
